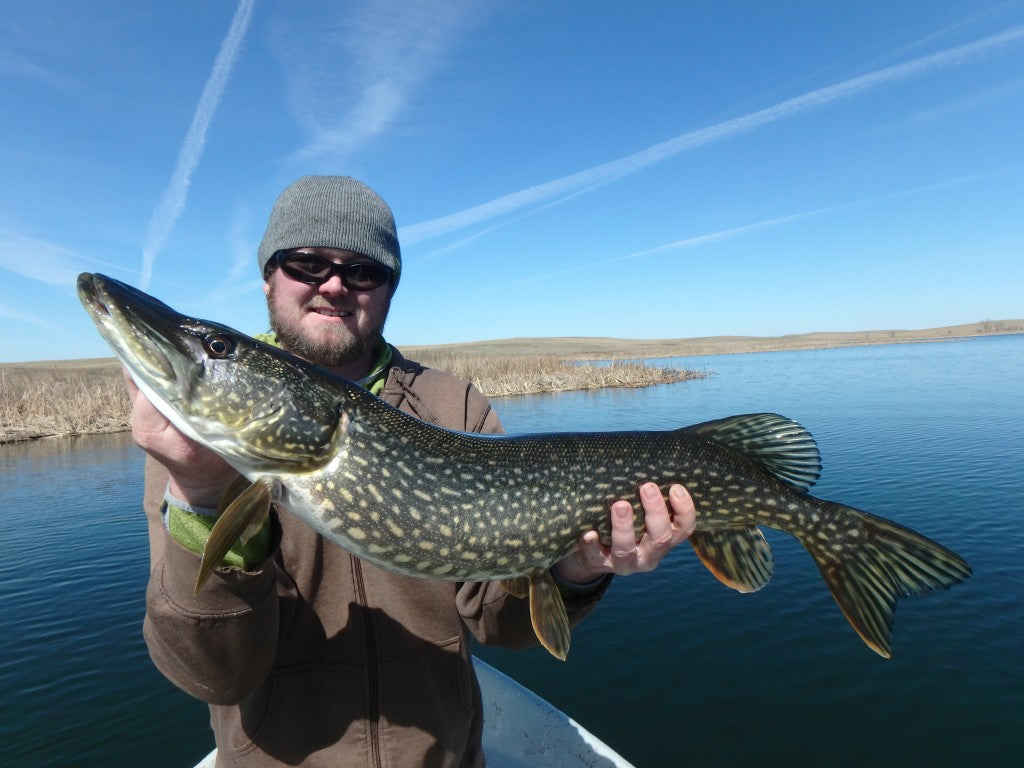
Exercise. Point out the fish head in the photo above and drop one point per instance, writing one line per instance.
(259, 407)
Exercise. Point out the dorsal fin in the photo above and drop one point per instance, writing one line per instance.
(780, 445)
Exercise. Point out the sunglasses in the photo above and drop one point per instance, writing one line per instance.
(316, 270)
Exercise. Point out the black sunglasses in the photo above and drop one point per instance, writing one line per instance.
(316, 270)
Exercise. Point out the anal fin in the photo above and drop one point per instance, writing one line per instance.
(740, 558)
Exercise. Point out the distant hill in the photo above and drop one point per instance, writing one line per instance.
(602, 348)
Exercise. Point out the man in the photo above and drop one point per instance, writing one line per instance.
(306, 654)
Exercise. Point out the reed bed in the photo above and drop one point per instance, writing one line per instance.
(506, 376)
(84, 396)
(45, 402)
(67, 399)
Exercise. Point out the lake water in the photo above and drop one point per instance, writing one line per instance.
(673, 668)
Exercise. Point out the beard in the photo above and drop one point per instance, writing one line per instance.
(336, 351)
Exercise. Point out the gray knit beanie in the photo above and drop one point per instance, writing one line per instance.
(332, 212)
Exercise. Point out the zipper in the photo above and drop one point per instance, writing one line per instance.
(372, 678)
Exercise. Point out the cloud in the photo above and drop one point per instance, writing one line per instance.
(243, 274)
(45, 262)
(353, 77)
(171, 205)
(20, 66)
(240, 244)
(607, 172)
(728, 234)
(1008, 89)
(504, 223)
(38, 260)
(21, 317)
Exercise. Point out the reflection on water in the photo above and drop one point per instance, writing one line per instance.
(74, 672)
(50, 447)
(672, 668)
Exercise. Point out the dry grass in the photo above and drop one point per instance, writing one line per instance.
(503, 376)
(59, 400)
(83, 397)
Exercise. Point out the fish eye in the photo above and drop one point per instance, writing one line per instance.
(217, 345)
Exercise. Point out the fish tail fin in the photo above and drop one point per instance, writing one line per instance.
(877, 562)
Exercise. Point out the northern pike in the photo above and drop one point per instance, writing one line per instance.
(434, 503)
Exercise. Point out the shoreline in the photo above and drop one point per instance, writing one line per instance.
(92, 393)
(609, 348)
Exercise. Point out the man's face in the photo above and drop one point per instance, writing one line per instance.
(328, 324)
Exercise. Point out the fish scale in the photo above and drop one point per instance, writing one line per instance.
(497, 515)
(429, 502)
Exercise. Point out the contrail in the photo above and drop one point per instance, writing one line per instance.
(614, 169)
(42, 322)
(728, 234)
(172, 203)
(50, 264)
(347, 89)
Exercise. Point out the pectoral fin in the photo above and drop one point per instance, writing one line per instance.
(242, 519)
(547, 612)
(240, 484)
(740, 558)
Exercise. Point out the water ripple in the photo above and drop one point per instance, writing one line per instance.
(672, 667)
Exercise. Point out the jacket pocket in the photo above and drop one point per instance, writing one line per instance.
(310, 714)
(430, 706)
(427, 703)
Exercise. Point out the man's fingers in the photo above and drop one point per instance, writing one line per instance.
(665, 526)
(657, 519)
(684, 512)
(623, 536)
(591, 548)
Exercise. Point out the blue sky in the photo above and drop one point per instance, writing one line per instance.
(638, 170)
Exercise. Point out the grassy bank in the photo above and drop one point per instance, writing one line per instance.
(88, 396)
(530, 375)
(62, 399)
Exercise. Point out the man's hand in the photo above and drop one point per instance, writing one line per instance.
(198, 476)
(665, 528)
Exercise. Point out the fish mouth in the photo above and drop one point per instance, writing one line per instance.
(166, 355)
(139, 328)
(157, 346)
(160, 348)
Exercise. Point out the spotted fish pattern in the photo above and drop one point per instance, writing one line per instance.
(429, 502)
